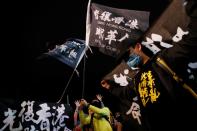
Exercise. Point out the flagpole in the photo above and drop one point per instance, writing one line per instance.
(66, 86)
(87, 43)
(83, 76)
(88, 24)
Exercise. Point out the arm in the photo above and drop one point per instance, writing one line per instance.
(99, 97)
(84, 118)
(77, 104)
(103, 111)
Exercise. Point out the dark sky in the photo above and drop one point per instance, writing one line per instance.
(35, 26)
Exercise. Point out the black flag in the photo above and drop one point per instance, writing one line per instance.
(113, 29)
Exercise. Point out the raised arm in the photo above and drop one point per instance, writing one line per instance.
(100, 97)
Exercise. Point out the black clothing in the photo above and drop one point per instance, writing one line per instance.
(166, 104)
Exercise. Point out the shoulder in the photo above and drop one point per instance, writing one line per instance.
(106, 109)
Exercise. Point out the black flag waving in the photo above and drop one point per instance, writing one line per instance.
(113, 29)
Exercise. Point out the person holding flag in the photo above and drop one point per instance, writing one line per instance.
(167, 93)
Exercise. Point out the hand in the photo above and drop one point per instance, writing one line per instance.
(77, 103)
(99, 97)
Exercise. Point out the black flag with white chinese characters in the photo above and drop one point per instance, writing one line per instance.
(119, 83)
(113, 30)
(36, 116)
(169, 29)
(70, 53)
(169, 32)
(121, 74)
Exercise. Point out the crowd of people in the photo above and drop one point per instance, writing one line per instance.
(94, 116)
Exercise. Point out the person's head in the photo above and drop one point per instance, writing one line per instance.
(96, 103)
(136, 54)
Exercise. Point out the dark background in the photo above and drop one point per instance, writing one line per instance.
(33, 27)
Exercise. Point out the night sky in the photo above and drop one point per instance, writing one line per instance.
(33, 27)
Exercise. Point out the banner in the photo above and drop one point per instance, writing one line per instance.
(121, 75)
(121, 87)
(169, 29)
(70, 53)
(113, 29)
(36, 116)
